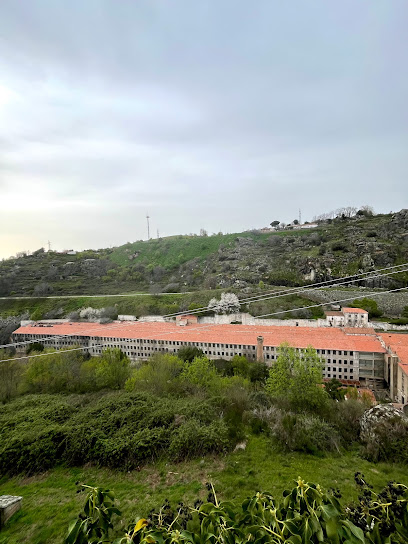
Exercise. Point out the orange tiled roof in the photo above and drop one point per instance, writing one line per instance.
(354, 311)
(301, 337)
(398, 343)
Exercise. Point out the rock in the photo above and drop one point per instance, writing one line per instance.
(376, 416)
(240, 446)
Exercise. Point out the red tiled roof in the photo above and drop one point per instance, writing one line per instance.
(360, 330)
(334, 313)
(398, 343)
(301, 337)
(354, 311)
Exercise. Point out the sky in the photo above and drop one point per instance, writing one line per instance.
(223, 115)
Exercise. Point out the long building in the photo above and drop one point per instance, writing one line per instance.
(396, 366)
(353, 355)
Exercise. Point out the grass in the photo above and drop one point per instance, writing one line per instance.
(173, 251)
(50, 501)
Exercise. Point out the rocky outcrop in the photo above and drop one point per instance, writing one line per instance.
(374, 420)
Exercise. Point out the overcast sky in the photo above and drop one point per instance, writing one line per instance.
(222, 114)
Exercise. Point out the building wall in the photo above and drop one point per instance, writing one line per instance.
(352, 319)
(340, 364)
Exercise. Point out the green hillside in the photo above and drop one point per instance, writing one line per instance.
(242, 261)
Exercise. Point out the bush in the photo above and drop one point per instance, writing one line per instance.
(188, 353)
(369, 305)
(339, 246)
(159, 375)
(193, 439)
(300, 432)
(35, 346)
(117, 429)
(345, 416)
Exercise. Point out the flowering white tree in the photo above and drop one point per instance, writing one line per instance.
(228, 304)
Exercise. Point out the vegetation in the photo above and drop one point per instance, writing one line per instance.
(75, 412)
(306, 514)
(50, 501)
(369, 305)
(231, 261)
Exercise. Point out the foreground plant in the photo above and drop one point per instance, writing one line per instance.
(305, 515)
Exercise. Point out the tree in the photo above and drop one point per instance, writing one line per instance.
(113, 369)
(296, 376)
(188, 353)
(228, 304)
(35, 346)
(295, 222)
(275, 223)
(335, 389)
(369, 305)
(200, 374)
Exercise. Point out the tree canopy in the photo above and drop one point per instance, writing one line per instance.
(296, 376)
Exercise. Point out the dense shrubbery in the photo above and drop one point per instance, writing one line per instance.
(120, 430)
(173, 407)
(67, 372)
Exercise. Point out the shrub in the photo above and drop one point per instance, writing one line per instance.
(345, 416)
(305, 432)
(369, 305)
(35, 346)
(116, 429)
(158, 376)
(193, 439)
(113, 369)
(200, 375)
(339, 246)
(188, 353)
(10, 376)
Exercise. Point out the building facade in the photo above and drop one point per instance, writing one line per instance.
(351, 355)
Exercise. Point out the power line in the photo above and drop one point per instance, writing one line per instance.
(374, 294)
(242, 301)
(310, 287)
(202, 327)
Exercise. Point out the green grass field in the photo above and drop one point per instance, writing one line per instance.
(50, 500)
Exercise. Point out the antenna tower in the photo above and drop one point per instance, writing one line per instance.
(300, 217)
(148, 226)
(49, 245)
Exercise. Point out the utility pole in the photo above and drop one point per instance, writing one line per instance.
(148, 227)
(49, 245)
(158, 234)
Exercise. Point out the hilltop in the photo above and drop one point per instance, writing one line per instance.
(240, 261)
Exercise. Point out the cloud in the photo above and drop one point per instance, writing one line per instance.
(216, 115)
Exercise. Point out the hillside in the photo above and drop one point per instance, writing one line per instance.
(240, 261)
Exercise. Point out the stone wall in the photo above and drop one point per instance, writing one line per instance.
(391, 304)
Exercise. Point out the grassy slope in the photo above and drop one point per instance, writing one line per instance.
(50, 501)
(172, 251)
